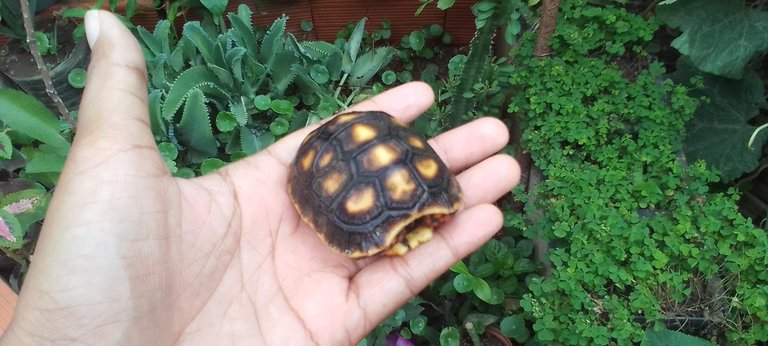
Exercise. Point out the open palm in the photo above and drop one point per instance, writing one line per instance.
(131, 255)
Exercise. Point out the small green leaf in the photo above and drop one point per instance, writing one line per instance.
(418, 325)
(6, 148)
(463, 283)
(279, 127)
(210, 165)
(416, 39)
(388, 77)
(449, 336)
(436, 30)
(43, 44)
(262, 102)
(480, 321)
(74, 12)
(76, 78)
(405, 76)
(460, 268)
(670, 337)
(168, 151)
(545, 335)
(282, 107)
(514, 327)
(225, 121)
(319, 73)
(307, 25)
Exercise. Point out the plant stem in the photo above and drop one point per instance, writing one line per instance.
(46, 76)
(547, 25)
(16, 258)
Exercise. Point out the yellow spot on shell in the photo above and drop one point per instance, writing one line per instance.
(363, 133)
(307, 159)
(428, 168)
(345, 118)
(416, 142)
(332, 182)
(361, 201)
(325, 159)
(380, 156)
(400, 185)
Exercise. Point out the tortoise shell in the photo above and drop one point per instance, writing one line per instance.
(366, 183)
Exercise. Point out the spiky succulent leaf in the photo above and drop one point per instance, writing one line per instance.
(319, 50)
(176, 59)
(200, 39)
(244, 33)
(282, 75)
(223, 76)
(195, 130)
(194, 78)
(239, 110)
(156, 114)
(149, 41)
(273, 43)
(305, 82)
(370, 63)
(353, 46)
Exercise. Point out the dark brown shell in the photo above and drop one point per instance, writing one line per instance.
(360, 179)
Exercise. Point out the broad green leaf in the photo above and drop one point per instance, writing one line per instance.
(74, 12)
(251, 143)
(449, 336)
(445, 4)
(210, 165)
(720, 131)
(194, 129)
(353, 46)
(45, 159)
(162, 34)
(6, 147)
(224, 77)
(669, 337)
(11, 233)
(482, 290)
(460, 268)
(514, 327)
(28, 206)
(216, 7)
(25, 114)
(719, 36)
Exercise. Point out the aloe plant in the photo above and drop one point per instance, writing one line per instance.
(219, 91)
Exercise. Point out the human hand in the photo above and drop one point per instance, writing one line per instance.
(129, 254)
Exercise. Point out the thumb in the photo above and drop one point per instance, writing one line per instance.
(114, 111)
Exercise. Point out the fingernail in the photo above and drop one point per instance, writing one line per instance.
(92, 27)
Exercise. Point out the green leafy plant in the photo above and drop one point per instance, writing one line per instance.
(635, 233)
(218, 91)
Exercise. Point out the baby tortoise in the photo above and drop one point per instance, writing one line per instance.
(368, 184)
